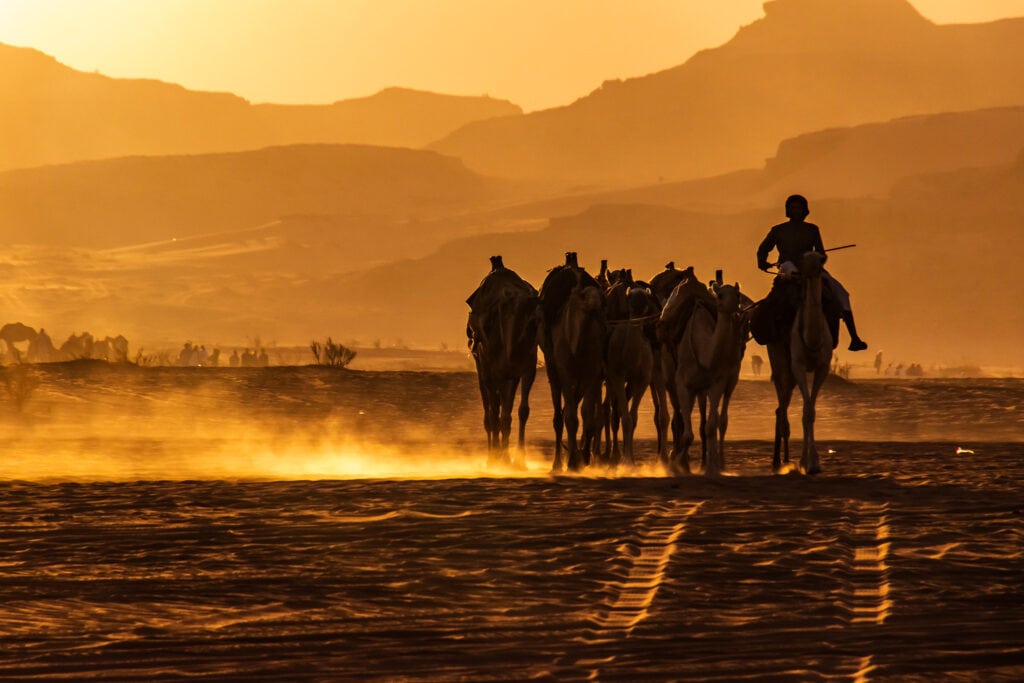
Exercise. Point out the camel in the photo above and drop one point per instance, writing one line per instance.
(662, 285)
(629, 367)
(708, 357)
(15, 333)
(573, 336)
(806, 350)
(502, 328)
(676, 312)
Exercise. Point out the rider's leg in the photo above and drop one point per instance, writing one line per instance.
(846, 315)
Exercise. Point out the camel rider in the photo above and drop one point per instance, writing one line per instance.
(792, 239)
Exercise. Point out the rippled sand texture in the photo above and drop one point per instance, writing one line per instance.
(903, 561)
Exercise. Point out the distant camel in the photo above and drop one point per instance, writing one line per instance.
(807, 349)
(41, 349)
(708, 358)
(629, 367)
(573, 340)
(503, 325)
(77, 347)
(14, 333)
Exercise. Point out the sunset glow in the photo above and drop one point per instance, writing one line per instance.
(535, 53)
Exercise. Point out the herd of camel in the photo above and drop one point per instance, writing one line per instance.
(672, 334)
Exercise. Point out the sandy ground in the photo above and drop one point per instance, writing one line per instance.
(303, 524)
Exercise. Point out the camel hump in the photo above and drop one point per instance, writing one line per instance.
(16, 332)
(679, 308)
(501, 283)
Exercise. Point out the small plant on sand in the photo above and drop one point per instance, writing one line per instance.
(331, 353)
(21, 382)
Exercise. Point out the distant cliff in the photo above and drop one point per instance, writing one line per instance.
(806, 66)
(53, 114)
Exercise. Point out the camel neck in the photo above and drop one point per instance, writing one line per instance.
(811, 314)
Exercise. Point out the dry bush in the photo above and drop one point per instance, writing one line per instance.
(331, 353)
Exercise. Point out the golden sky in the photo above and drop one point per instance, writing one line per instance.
(537, 53)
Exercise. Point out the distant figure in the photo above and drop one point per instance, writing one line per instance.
(203, 356)
(185, 355)
(878, 363)
(41, 349)
(756, 362)
(214, 358)
(234, 360)
(792, 239)
(263, 360)
(248, 359)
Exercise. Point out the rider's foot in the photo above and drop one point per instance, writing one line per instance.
(858, 345)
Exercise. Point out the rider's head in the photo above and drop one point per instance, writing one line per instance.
(796, 207)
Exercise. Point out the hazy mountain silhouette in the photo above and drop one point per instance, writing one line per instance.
(858, 161)
(934, 272)
(807, 65)
(933, 277)
(54, 114)
(135, 200)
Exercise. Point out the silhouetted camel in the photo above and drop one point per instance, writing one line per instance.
(14, 333)
(503, 325)
(573, 340)
(708, 357)
(807, 349)
(675, 314)
(629, 366)
(661, 286)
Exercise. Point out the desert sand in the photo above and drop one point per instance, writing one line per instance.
(316, 524)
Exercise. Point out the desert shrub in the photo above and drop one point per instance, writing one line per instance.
(331, 353)
(20, 381)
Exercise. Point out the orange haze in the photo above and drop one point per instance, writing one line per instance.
(535, 53)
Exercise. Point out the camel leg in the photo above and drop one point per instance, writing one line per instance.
(524, 407)
(659, 400)
(702, 403)
(686, 401)
(620, 411)
(637, 394)
(485, 399)
(676, 424)
(572, 425)
(781, 453)
(713, 463)
(783, 381)
(508, 397)
(660, 418)
(605, 416)
(591, 421)
(556, 419)
(723, 419)
(809, 463)
(492, 421)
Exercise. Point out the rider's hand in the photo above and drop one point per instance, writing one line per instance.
(763, 265)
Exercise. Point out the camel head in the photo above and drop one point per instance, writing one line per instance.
(728, 298)
(811, 264)
(642, 303)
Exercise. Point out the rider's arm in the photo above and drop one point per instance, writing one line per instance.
(818, 246)
(767, 244)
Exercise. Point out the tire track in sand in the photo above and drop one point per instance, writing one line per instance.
(868, 595)
(631, 597)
